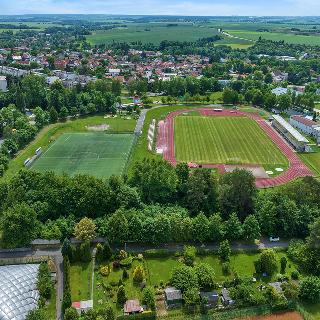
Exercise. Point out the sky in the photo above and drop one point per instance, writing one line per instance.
(166, 7)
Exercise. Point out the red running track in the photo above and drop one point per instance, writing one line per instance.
(296, 168)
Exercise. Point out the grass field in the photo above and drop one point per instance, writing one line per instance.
(53, 131)
(80, 281)
(226, 140)
(312, 160)
(97, 154)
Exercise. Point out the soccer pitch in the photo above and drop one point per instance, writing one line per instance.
(97, 154)
(224, 140)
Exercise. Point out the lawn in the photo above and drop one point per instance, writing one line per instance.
(313, 309)
(80, 281)
(53, 131)
(312, 160)
(225, 140)
(97, 154)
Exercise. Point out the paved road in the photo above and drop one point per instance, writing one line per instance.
(263, 244)
(54, 254)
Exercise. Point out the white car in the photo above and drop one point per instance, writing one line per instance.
(274, 239)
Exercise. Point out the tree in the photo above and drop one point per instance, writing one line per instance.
(233, 228)
(138, 274)
(53, 115)
(284, 102)
(237, 193)
(251, 228)
(230, 96)
(66, 300)
(283, 264)
(121, 296)
(117, 228)
(85, 230)
(71, 314)
(224, 251)
(268, 262)
(148, 298)
(205, 275)
(107, 313)
(191, 297)
(268, 78)
(200, 228)
(19, 225)
(310, 289)
(201, 192)
(314, 238)
(66, 248)
(64, 113)
(189, 255)
(184, 278)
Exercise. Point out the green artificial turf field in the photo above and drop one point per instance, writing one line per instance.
(97, 154)
(225, 140)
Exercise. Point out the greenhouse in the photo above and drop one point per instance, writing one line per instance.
(18, 290)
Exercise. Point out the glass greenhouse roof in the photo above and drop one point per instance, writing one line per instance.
(18, 291)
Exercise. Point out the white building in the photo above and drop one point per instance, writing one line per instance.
(279, 91)
(306, 125)
(293, 136)
(3, 83)
(114, 72)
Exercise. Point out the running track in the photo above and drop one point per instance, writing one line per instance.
(296, 167)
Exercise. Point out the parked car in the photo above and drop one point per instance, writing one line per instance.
(274, 239)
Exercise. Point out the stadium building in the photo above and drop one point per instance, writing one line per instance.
(307, 126)
(294, 137)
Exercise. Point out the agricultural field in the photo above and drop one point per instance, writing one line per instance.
(97, 154)
(275, 36)
(54, 131)
(153, 33)
(224, 140)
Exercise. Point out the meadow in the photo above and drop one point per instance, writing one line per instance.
(97, 154)
(224, 140)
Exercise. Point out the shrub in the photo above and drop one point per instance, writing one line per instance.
(126, 263)
(226, 268)
(138, 274)
(125, 274)
(295, 275)
(149, 298)
(205, 275)
(105, 270)
(224, 251)
(189, 255)
(184, 277)
(121, 296)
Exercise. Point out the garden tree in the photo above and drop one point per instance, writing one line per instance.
(200, 228)
(66, 248)
(189, 255)
(283, 264)
(224, 251)
(310, 289)
(268, 262)
(138, 274)
(237, 193)
(284, 102)
(184, 278)
(117, 228)
(233, 228)
(216, 230)
(313, 240)
(148, 298)
(53, 115)
(121, 296)
(201, 192)
(85, 229)
(71, 314)
(19, 225)
(251, 228)
(191, 297)
(156, 180)
(205, 275)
